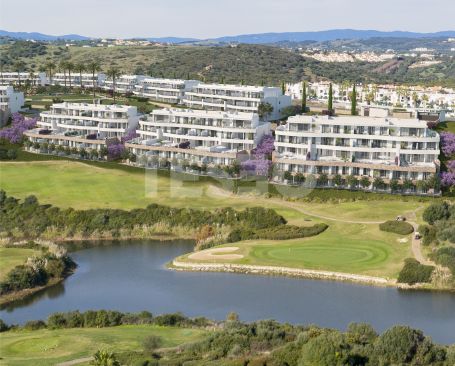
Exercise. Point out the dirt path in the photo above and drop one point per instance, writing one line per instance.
(416, 245)
(75, 362)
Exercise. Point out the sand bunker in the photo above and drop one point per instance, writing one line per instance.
(216, 253)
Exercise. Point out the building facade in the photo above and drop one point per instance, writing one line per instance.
(201, 137)
(83, 125)
(10, 102)
(240, 98)
(15, 78)
(386, 148)
(164, 90)
(77, 80)
(124, 84)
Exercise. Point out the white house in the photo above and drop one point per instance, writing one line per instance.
(15, 78)
(164, 90)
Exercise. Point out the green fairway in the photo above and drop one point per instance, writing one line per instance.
(354, 248)
(48, 347)
(12, 257)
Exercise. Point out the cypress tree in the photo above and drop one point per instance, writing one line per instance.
(303, 97)
(283, 88)
(354, 101)
(330, 104)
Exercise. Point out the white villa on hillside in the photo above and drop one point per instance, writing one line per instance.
(123, 84)
(202, 137)
(164, 90)
(76, 81)
(236, 98)
(83, 125)
(15, 78)
(387, 148)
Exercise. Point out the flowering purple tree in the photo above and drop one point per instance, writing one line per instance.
(260, 163)
(19, 125)
(115, 150)
(448, 143)
(129, 136)
(448, 149)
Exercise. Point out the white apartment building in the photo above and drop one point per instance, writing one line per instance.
(15, 78)
(202, 137)
(84, 125)
(10, 100)
(77, 80)
(164, 90)
(124, 83)
(240, 98)
(388, 148)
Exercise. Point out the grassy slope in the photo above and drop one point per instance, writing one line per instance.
(12, 257)
(48, 347)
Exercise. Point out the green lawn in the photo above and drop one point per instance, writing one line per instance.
(354, 248)
(48, 347)
(12, 257)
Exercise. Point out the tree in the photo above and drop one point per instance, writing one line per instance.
(151, 343)
(338, 180)
(264, 110)
(304, 97)
(19, 66)
(352, 181)
(104, 358)
(283, 88)
(93, 67)
(378, 183)
(50, 67)
(62, 67)
(69, 67)
(365, 182)
(354, 101)
(113, 73)
(330, 102)
(80, 68)
(322, 179)
(435, 212)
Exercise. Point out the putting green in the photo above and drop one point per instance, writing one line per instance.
(48, 347)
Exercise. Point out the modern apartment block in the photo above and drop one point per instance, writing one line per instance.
(240, 98)
(164, 90)
(124, 83)
(10, 102)
(77, 80)
(387, 148)
(15, 78)
(83, 125)
(201, 137)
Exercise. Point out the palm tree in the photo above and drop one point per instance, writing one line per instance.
(93, 67)
(69, 67)
(62, 67)
(113, 73)
(32, 77)
(80, 68)
(50, 66)
(19, 66)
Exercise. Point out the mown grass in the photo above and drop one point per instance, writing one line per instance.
(49, 347)
(12, 257)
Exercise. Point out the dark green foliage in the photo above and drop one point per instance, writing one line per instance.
(34, 325)
(413, 272)
(446, 257)
(330, 102)
(397, 227)
(281, 232)
(3, 326)
(428, 233)
(32, 219)
(436, 211)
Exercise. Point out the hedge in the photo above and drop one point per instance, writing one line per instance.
(397, 227)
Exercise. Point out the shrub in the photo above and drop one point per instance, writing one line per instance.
(435, 212)
(397, 227)
(446, 257)
(413, 272)
(3, 326)
(34, 325)
(151, 343)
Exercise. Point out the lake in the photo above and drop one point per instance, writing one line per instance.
(131, 276)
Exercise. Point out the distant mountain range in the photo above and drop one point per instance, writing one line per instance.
(261, 38)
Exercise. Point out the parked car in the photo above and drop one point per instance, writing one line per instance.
(417, 235)
(401, 218)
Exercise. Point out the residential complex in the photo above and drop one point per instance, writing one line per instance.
(240, 98)
(164, 90)
(18, 78)
(201, 137)
(386, 148)
(85, 80)
(10, 102)
(123, 84)
(82, 125)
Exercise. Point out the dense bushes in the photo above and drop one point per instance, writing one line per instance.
(446, 257)
(413, 272)
(437, 211)
(32, 219)
(397, 227)
(281, 232)
(36, 272)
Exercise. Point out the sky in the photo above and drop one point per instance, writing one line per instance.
(214, 18)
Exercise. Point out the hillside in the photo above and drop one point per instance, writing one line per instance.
(252, 64)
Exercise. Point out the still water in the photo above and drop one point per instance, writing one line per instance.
(132, 276)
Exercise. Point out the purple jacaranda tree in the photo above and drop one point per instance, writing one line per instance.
(448, 149)
(115, 150)
(19, 125)
(260, 162)
(129, 136)
(448, 143)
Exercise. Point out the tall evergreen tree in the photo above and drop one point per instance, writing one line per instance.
(330, 103)
(303, 97)
(354, 101)
(283, 88)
